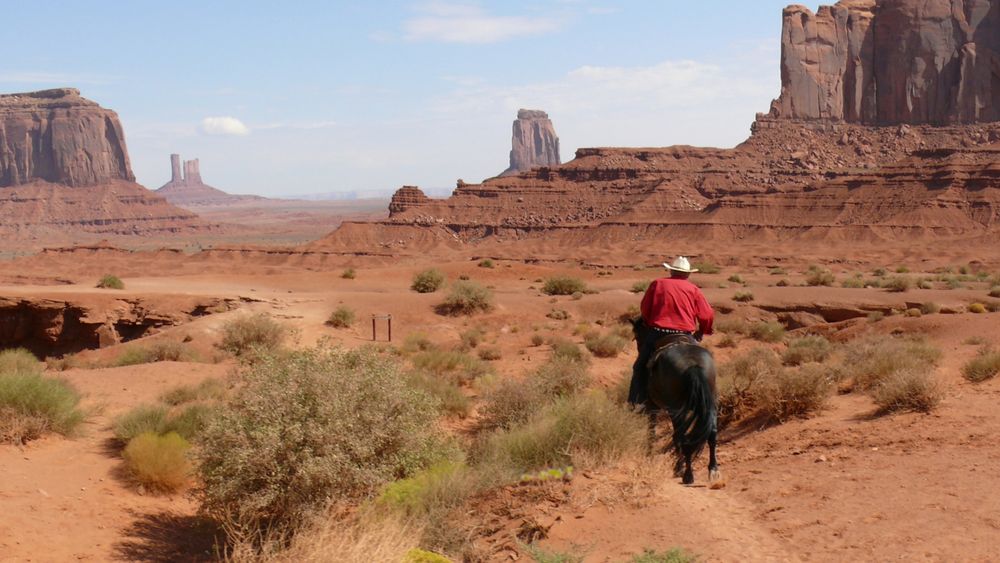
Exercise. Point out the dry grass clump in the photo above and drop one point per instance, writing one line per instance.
(566, 350)
(706, 267)
(160, 420)
(364, 538)
(288, 441)
(558, 314)
(159, 462)
(995, 291)
(428, 281)
(581, 429)
(341, 317)
(564, 285)
(911, 388)
(767, 331)
(455, 364)
(898, 284)
(446, 390)
(869, 361)
(735, 278)
(254, 332)
(930, 308)
(110, 282)
(31, 404)
(795, 392)
(853, 283)
(349, 274)
(640, 286)
(806, 349)
(471, 338)
(511, 402)
(977, 308)
(984, 366)
(817, 276)
(607, 345)
(466, 298)
(675, 555)
(210, 389)
(743, 296)
(489, 353)
(486, 263)
(739, 380)
(537, 340)
(158, 351)
(728, 325)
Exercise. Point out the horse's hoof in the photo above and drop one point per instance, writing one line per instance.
(688, 479)
(714, 475)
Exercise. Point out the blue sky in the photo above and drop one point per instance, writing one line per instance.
(311, 97)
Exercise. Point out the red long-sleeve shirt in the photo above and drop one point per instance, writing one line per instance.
(676, 304)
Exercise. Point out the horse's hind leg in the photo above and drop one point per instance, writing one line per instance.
(714, 475)
(688, 472)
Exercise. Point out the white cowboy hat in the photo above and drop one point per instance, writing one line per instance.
(680, 264)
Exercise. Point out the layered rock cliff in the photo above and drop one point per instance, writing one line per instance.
(59, 137)
(887, 62)
(534, 143)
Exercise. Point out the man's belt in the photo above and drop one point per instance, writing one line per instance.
(672, 331)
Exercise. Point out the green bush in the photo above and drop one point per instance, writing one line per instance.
(441, 487)
(427, 281)
(466, 298)
(349, 274)
(767, 331)
(446, 390)
(190, 421)
(743, 296)
(341, 317)
(675, 555)
(806, 349)
(984, 366)
(486, 263)
(140, 420)
(605, 345)
(459, 366)
(210, 389)
(584, 429)
(110, 282)
(159, 462)
(31, 404)
(244, 334)
(563, 285)
(290, 439)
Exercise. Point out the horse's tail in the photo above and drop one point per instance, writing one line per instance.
(695, 422)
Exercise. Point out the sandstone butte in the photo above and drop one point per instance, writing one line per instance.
(534, 142)
(64, 168)
(186, 188)
(883, 133)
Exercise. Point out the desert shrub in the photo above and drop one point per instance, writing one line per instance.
(471, 338)
(995, 291)
(287, 442)
(586, 429)
(427, 281)
(735, 278)
(31, 404)
(446, 390)
(993, 306)
(132, 356)
(739, 380)
(923, 283)
(930, 308)
(561, 376)
(783, 283)
(341, 317)
(558, 314)
(819, 277)
(730, 325)
(210, 389)
(158, 462)
(767, 331)
(537, 340)
(436, 489)
(675, 555)
(566, 350)
(794, 392)
(63, 363)
(727, 341)
(640, 286)
(871, 360)
(743, 296)
(349, 274)
(853, 283)
(563, 285)
(629, 314)
(416, 342)
(806, 349)
(466, 298)
(486, 263)
(977, 308)
(898, 284)
(541, 555)
(510, 403)
(879, 272)
(605, 345)
(912, 388)
(244, 334)
(110, 282)
(190, 421)
(140, 420)
(776, 271)
(875, 316)
(984, 366)
(159, 351)
(914, 312)
(489, 353)
(461, 367)
(706, 267)
(902, 270)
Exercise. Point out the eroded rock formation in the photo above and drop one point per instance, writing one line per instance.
(534, 142)
(886, 62)
(187, 190)
(59, 137)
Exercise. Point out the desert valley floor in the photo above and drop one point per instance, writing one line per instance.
(844, 484)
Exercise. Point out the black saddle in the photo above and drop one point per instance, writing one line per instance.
(667, 341)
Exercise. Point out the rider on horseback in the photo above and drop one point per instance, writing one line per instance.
(670, 306)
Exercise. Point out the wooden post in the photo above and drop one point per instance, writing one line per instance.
(373, 328)
(390, 328)
(375, 319)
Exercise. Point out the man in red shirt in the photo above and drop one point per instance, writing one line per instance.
(671, 306)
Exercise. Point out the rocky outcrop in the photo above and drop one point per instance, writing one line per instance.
(190, 192)
(405, 198)
(887, 62)
(60, 137)
(534, 142)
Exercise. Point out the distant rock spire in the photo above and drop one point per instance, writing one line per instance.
(534, 142)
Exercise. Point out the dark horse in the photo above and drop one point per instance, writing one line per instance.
(682, 383)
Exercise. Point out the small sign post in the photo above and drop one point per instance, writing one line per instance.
(387, 319)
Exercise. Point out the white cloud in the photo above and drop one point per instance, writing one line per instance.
(228, 126)
(464, 23)
(302, 125)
